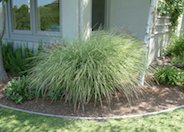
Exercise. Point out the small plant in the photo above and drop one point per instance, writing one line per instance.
(16, 90)
(92, 70)
(168, 75)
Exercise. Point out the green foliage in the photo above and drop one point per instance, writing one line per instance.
(168, 75)
(176, 50)
(16, 61)
(16, 90)
(176, 47)
(172, 8)
(178, 60)
(89, 70)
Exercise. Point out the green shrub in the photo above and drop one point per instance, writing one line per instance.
(95, 69)
(178, 61)
(176, 47)
(168, 75)
(17, 91)
(17, 61)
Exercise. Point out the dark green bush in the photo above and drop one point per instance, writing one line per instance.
(176, 47)
(17, 61)
(17, 91)
(178, 61)
(176, 51)
(95, 69)
(168, 75)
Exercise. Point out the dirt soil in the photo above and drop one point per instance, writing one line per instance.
(154, 98)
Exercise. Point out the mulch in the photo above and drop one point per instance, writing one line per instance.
(154, 98)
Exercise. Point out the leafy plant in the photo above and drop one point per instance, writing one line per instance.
(168, 75)
(16, 90)
(17, 60)
(91, 70)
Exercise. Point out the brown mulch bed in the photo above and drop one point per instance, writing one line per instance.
(155, 98)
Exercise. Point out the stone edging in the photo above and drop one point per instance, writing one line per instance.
(94, 118)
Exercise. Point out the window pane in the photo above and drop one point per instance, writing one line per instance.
(48, 15)
(21, 14)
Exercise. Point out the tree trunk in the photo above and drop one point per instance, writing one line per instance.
(3, 74)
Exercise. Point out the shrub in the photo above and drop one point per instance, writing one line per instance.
(17, 91)
(18, 61)
(176, 47)
(89, 70)
(168, 75)
(178, 61)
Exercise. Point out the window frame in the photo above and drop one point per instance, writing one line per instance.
(32, 35)
(12, 21)
(39, 32)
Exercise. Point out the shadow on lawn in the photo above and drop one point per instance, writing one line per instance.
(11, 121)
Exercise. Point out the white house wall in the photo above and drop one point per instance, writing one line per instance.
(70, 19)
(85, 18)
(129, 15)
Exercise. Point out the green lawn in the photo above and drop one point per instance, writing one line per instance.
(12, 121)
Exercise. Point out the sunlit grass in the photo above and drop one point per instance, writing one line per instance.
(12, 121)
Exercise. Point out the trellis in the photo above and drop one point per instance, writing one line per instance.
(157, 34)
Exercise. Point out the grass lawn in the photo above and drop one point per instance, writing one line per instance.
(12, 121)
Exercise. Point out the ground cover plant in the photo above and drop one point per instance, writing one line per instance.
(17, 91)
(12, 121)
(96, 69)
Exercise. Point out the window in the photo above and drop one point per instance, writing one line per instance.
(21, 14)
(48, 15)
(33, 16)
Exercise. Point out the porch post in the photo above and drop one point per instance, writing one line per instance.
(149, 37)
(179, 27)
(85, 20)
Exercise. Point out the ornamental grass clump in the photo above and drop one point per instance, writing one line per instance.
(92, 70)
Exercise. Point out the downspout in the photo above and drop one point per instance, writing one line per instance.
(149, 34)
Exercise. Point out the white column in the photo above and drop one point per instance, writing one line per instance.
(85, 18)
(179, 27)
(149, 37)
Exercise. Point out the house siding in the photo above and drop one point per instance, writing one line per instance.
(130, 16)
